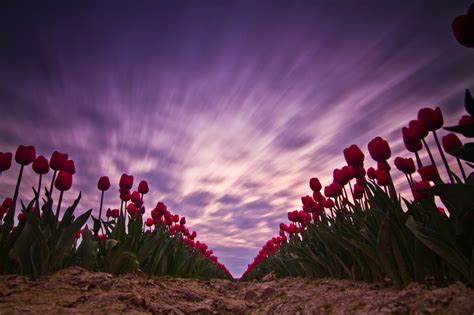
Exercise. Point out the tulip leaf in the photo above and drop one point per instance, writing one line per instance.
(469, 103)
(87, 251)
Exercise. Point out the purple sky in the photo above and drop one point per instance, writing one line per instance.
(227, 108)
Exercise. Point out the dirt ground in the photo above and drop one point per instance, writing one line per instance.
(75, 290)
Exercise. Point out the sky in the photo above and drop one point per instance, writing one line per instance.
(226, 108)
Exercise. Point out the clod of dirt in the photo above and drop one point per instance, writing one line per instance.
(76, 290)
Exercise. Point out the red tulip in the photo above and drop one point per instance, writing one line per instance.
(182, 221)
(21, 216)
(430, 119)
(57, 160)
(407, 166)
(176, 218)
(135, 197)
(126, 181)
(371, 173)
(467, 120)
(149, 222)
(414, 146)
(428, 173)
(382, 178)
(115, 213)
(354, 155)
(418, 129)
(78, 233)
(143, 187)
(417, 194)
(358, 191)
(441, 211)
(329, 203)
(108, 213)
(7, 203)
(63, 181)
(40, 165)
(5, 161)
(307, 201)
(338, 176)
(379, 149)
(383, 166)
(69, 167)
(463, 28)
(359, 171)
(104, 183)
(317, 195)
(126, 196)
(131, 208)
(315, 184)
(450, 142)
(25, 154)
(348, 171)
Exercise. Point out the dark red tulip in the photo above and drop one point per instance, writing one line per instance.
(317, 195)
(315, 184)
(416, 190)
(371, 173)
(354, 156)
(21, 216)
(108, 213)
(418, 129)
(143, 187)
(7, 203)
(379, 149)
(428, 173)
(382, 178)
(409, 135)
(407, 166)
(338, 176)
(41, 165)
(126, 196)
(115, 213)
(104, 183)
(25, 154)
(348, 171)
(414, 146)
(182, 221)
(5, 161)
(450, 142)
(69, 167)
(329, 203)
(149, 222)
(57, 160)
(463, 28)
(135, 197)
(431, 119)
(131, 208)
(175, 218)
(441, 211)
(307, 200)
(126, 181)
(383, 166)
(359, 171)
(467, 120)
(63, 181)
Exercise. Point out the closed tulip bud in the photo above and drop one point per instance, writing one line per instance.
(307, 201)
(25, 154)
(371, 173)
(317, 195)
(414, 146)
(418, 129)
(353, 155)
(348, 173)
(126, 181)
(338, 176)
(314, 184)
(182, 221)
(58, 160)
(382, 178)
(450, 142)
(115, 213)
(21, 216)
(417, 193)
(63, 181)
(143, 187)
(428, 173)
(5, 161)
(467, 120)
(131, 208)
(175, 218)
(329, 203)
(126, 196)
(407, 166)
(194, 234)
(463, 28)
(379, 149)
(358, 191)
(149, 222)
(7, 203)
(40, 165)
(69, 167)
(384, 166)
(135, 197)
(108, 213)
(104, 183)
(78, 233)
(430, 119)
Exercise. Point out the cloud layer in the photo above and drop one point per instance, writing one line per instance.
(226, 108)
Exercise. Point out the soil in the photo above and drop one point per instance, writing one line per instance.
(76, 290)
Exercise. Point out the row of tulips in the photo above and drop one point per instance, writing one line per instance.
(359, 227)
(121, 241)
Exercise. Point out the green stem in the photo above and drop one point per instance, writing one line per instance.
(443, 157)
(418, 160)
(100, 211)
(59, 206)
(39, 194)
(462, 169)
(52, 184)
(429, 153)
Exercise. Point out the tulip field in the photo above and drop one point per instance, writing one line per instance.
(360, 228)
(49, 236)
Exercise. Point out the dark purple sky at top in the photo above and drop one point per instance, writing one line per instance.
(227, 108)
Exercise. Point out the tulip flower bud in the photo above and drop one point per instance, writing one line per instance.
(126, 181)
(58, 160)
(467, 120)
(149, 222)
(115, 213)
(371, 173)
(431, 119)
(69, 167)
(379, 149)
(135, 197)
(104, 183)
(428, 173)
(450, 142)
(419, 195)
(25, 154)
(108, 213)
(382, 178)
(63, 181)
(314, 184)
(353, 155)
(463, 28)
(5, 161)
(40, 165)
(143, 187)
(182, 221)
